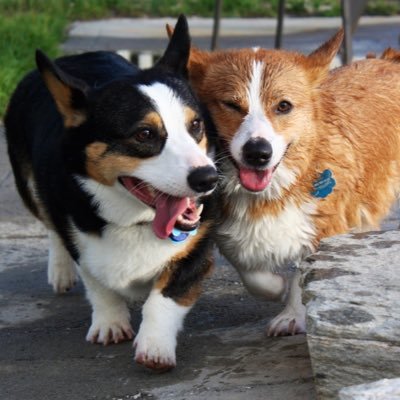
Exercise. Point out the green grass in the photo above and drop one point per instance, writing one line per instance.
(29, 24)
(20, 35)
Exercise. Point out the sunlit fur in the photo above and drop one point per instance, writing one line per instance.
(346, 120)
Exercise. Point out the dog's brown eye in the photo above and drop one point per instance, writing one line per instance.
(233, 106)
(284, 107)
(143, 135)
(195, 127)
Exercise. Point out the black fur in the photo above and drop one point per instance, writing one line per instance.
(38, 142)
(55, 116)
(190, 270)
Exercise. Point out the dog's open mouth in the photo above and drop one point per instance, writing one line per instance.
(255, 180)
(171, 212)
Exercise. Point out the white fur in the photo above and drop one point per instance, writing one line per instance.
(115, 204)
(61, 273)
(162, 320)
(263, 249)
(110, 316)
(123, 261)
(123, 255)
(256, 124)
(123, 258)
(292, 319)
(268, 243)
(119, 265)
(168, 171)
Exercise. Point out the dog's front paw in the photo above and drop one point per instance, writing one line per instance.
(154, 352)
(109, 330)
(288, 322)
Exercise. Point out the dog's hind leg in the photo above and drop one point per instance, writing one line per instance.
(110, 316)
(61, 272)
(292, 319)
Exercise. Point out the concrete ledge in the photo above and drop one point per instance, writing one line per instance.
(351, 289)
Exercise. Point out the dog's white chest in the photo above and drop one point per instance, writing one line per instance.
(125, 256)
(269, 242)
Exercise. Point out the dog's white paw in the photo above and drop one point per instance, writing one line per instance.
(288, 322)
(155, 352)
(110, 330)
(62, 277)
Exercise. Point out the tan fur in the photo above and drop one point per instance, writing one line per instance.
(347, 120)
(203, 144)
(190, 114)
(391, 54)
(153, 119)
(104, 166)
(62, 96)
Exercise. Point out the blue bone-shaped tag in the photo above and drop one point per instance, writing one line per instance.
(324, 184)
(178, 236)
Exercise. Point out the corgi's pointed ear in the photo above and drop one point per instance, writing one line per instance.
(197, 58)
(391, 55)
(176, 56)
(69, 93)
(321, 58)
(324, 55)
(170, 30)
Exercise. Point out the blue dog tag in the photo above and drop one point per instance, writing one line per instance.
(324, 184)
(178, 236)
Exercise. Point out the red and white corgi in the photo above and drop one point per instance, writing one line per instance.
(305, 154)
(113, 160)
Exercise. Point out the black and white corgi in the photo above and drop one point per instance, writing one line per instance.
(113, 160)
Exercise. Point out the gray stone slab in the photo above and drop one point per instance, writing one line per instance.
(385, 389)
(352, 293)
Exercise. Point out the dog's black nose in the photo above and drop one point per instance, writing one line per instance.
(257, 152)
(203, 179)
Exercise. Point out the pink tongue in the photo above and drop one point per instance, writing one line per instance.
(168, 209)
(254, 180)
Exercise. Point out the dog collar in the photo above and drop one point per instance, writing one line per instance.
(178, 236)
(324, 184)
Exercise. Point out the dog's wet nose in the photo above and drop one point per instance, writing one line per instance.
(203, 179)
(257, 152)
